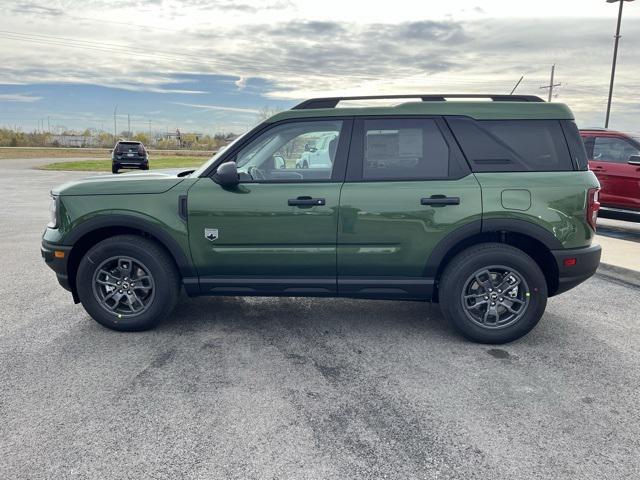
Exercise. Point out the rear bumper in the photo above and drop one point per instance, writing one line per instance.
(57, 264)
(131, 162)
(587, 260)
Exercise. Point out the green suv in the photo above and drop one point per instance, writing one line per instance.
(484, 205)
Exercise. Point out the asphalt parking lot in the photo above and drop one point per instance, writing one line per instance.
(304, 388)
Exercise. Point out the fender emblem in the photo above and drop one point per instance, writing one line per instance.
(211, 234)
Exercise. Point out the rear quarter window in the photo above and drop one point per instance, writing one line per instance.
(512, 145)
(577, 146)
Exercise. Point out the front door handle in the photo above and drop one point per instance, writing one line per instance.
(305, 202)
(440, 200)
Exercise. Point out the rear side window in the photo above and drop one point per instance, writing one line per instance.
(404, 149)
(512, 145)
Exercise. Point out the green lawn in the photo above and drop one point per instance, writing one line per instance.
(105, 165)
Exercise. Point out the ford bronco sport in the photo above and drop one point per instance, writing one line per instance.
(486, 207)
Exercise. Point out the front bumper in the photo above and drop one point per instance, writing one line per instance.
(58, 263)
(587, 260)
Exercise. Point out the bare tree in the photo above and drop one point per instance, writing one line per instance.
(266, 112)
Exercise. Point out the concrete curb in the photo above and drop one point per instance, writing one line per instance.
(619, 274)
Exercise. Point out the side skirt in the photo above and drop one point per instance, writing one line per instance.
(385, 288)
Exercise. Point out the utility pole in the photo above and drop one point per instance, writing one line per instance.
(615, 58)
(149, 122)
(128, 126)
(48, 124)
(551, 84)
(115, 124)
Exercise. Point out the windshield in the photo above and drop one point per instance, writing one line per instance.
(218, 154)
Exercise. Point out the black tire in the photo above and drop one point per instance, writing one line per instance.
(114, 169)
(458, 281)
(145, 167)
(158, 271)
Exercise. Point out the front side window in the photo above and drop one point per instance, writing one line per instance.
(615, 150)
(588, 146)
(296, 151)
(404, 149)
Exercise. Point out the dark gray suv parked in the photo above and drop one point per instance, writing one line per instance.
(129, 154)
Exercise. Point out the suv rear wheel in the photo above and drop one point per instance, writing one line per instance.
(493, 293)
(127, 283)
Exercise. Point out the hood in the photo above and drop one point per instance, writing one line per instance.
(126, 184)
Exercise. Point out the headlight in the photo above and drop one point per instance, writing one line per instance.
(53, 212)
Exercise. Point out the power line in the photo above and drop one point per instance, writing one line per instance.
(139, 52)
(118, 48)
(127, 24)
(97, 46)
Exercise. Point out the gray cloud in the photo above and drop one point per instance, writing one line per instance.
(18, 97)
(33, 8)
(238, 6)
(302, 57)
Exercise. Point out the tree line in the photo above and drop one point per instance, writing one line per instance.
(92, 138)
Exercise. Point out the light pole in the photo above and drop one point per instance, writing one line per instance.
(615, 57)
(115, 125)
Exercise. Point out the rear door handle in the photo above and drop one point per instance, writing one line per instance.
(440, 200)
(305, 202)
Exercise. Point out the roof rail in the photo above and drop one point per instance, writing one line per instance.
(332, 102)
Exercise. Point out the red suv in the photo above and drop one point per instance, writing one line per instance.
(615, 159)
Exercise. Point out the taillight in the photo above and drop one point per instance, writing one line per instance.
(593, 205)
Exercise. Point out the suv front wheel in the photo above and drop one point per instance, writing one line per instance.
(493, 293)
(127, 283)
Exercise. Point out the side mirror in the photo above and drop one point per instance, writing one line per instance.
(227, 175)
(634, 160)
(278, 162)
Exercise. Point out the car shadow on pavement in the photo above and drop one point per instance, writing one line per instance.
(326, 315)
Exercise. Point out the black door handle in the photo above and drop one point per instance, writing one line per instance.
(440, 200)
(305, 202)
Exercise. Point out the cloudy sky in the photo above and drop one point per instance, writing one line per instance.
(210, 65)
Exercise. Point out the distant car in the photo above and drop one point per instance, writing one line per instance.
(128, 154)
(615, 159)
(320, 155)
